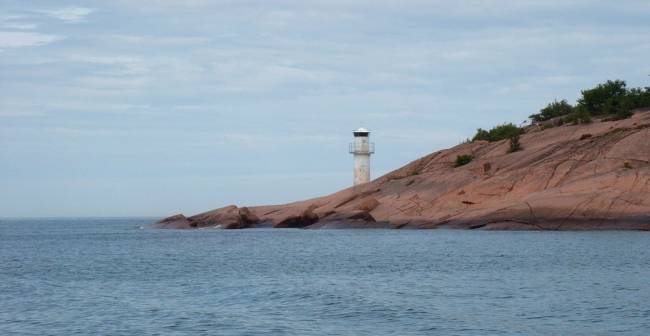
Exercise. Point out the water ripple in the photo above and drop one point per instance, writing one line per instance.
(109, 277)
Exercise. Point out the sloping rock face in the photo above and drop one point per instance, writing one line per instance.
(230, 217)
(584, 177)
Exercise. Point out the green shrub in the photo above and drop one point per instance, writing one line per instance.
(637, 98)
(481, 134)
(553, 110)
(462, 160)
(603, 98)
(503, 131)
(612, 99)
(623, 114)
(515, 145)
(581, 116)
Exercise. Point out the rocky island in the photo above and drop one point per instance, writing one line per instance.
(594, 176)
(591, 175)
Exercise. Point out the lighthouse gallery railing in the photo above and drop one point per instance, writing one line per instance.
(357, 149)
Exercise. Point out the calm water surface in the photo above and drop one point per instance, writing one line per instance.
(110, 277)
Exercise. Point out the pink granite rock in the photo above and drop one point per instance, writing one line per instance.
(581, 177)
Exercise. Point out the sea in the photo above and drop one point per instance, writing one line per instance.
(119, 276)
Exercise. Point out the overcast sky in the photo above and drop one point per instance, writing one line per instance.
(122, 108)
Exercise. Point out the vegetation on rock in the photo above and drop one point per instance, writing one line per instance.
(515, 145)
(611, 98)
(553, 110)
(464, 159)
(608, 101)
(500, 132)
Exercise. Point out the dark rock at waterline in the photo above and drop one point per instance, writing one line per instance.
(178, 221)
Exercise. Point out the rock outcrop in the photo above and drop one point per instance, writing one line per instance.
(582, 177)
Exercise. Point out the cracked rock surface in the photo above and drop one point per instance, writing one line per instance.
(580, 177)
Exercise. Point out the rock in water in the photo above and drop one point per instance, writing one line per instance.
(174, 222)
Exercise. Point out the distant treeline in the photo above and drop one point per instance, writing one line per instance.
(611, 100)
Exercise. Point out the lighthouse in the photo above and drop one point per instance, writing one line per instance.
(361, 149)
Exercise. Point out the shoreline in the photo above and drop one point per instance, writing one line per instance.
(592, 176)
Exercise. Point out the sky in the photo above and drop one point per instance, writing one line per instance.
(155, 107)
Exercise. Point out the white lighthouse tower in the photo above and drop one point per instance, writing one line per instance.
(361, 149)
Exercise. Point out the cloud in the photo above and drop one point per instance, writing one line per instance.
(160, 40)
(20, 26)
(14, 22)
(116, 65)
(397, 114)
(19, 113)
(413, 136)
(257, 138)
(70, 14)
(25, 39)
